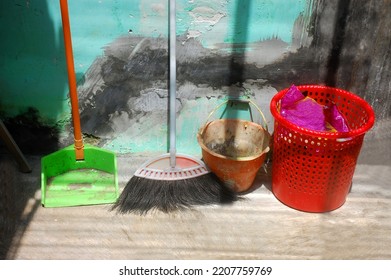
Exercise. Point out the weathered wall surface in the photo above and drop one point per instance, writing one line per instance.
(250, 48)
(353, 49)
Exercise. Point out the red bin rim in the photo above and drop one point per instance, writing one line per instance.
(331, 135)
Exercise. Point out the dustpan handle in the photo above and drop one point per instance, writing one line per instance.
(172, 86)
(79, 147)
(238, 100)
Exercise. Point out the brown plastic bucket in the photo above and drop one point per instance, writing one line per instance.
(234, 150)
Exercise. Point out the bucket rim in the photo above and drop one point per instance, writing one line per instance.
(248, 158)
(324, 134)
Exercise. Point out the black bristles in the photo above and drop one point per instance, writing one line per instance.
(141, 195)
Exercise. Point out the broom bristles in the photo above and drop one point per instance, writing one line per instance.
(142, 195)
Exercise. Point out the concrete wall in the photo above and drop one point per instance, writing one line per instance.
(226, 48)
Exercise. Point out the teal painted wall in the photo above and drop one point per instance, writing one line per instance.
(32, 66)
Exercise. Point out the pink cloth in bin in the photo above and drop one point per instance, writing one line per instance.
(307, 113)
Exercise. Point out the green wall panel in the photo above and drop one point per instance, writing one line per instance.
(32, 63)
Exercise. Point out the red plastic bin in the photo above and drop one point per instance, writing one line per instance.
(312, 171)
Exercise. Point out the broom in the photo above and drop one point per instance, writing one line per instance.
(172, 181)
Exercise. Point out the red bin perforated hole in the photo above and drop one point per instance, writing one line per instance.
(312, 171)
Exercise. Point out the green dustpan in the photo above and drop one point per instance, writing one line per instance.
(77, 175)
(70, 182)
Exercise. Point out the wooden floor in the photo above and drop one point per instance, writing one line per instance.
(259, 227)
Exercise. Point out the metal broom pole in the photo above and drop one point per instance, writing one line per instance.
(172, 86)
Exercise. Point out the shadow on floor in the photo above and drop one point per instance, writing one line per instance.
(17, 203)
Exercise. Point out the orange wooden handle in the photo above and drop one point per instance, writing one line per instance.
(79, 147)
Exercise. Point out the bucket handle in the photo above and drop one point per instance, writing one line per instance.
(249, 101)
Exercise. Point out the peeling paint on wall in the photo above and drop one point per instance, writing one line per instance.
(32, 64)
(125, 97)
(218, 24)
(224, 48)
